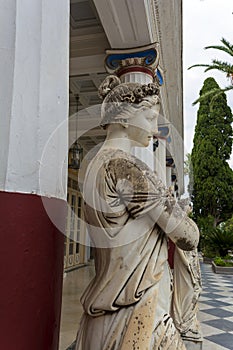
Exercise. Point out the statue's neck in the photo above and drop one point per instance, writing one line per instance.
(118, 141)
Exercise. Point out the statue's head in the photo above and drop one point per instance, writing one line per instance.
(121, 101)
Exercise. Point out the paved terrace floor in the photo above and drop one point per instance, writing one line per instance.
(215, 315)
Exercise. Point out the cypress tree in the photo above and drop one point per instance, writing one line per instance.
(212, 182)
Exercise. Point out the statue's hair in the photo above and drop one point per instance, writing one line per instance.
(120, 100)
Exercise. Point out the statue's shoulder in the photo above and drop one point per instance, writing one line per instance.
(122, 165)
(119, 160)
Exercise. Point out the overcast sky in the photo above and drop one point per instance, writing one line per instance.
(205, 22)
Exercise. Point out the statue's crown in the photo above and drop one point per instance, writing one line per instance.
(140, 92)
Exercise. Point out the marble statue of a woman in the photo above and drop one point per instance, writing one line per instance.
(130, 216)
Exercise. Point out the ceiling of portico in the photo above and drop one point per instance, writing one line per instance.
(88, 43)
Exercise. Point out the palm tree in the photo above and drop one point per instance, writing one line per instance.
(221, 66)
(219, 241)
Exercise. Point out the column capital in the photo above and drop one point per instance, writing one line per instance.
(142, 60)
(170, 162)
(163, 133)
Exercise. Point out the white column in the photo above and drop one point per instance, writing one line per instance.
(136, 77)
(34, 41)
(145, 154)
(160, 160)
(168, 176)
(34, 56)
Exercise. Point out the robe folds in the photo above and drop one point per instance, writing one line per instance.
(127, 304)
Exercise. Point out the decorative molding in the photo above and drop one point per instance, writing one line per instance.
(170, 162)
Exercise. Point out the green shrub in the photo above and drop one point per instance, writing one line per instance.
(222, 262)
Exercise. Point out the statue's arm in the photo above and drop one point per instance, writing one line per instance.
(145, 195)
(177, 225)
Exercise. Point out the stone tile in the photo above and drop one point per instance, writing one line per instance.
(221, 324)
(218, 312)
(209, 345)
(66, 340)
(202, 316)
(71, 347)
(229, 319)
(225, 339)
(209, 330)
(217, 303)
(73, 286)
(229, 308)
(228, 299)
(215, 308)
(203, 298)
(224, 294)
(204, 306)
(213, 295)
(212, 290)
(229, 278)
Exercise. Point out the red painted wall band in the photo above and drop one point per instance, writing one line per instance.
(31, 271)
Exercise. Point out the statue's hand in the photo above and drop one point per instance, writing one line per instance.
(185, 205)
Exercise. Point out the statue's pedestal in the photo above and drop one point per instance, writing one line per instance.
(192, 345)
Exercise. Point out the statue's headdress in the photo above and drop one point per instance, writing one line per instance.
(119, 98)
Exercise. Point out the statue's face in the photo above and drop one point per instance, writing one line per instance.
(143, 126)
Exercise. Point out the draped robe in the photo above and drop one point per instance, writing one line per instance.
(127, 304)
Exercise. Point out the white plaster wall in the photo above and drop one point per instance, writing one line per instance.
(34, 117)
